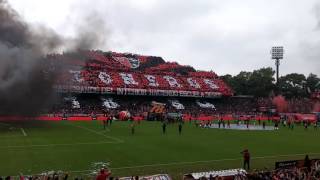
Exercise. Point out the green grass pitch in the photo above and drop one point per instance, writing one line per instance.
(35, 147)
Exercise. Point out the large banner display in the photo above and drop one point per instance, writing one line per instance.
(226, 174)
(153, 177)
(133, 91)
(133, 83)
(292, 164)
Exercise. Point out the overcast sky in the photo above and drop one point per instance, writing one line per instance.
(226, 36)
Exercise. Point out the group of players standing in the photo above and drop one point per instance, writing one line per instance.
(108, 121)
(221, 124)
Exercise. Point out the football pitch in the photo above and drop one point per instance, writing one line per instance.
(75, 147)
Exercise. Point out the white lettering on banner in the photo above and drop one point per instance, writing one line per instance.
(195, 94)
(128, 79)
(211, 94)
(184, 93)
(152, 80)
(130, 91)
(173, 93)
(211, 84)
(106, 90)
(120, 91)
(189, 93)
(76, 76)
(134, 91)
(172, 81)
(77, 88)
(105, 78)
(153, 177)
(193, 83)
(222, 173)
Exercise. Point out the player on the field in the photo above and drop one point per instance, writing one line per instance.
(104, 122)
(276, 125)
(305, 125)
(180, 128)
(164, 127)
(315, 125)
(132, 128)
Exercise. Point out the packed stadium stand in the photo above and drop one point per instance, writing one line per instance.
(130, 74)
(107, 83)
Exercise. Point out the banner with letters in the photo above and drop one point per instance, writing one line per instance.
(222, 173)
(292, 164)
(153, 177)
(134, 91)
(93, 81)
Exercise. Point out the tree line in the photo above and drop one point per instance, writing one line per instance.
(262, 83)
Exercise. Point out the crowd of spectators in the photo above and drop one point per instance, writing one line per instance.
(310, 170)
(140, 105)
(307, 172)
(292, 105)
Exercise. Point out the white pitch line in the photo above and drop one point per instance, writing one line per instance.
(52, 145)
(99, 133)
(23, 132)
(117, 140)
(11, 136)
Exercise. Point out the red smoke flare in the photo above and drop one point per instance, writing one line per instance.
(281, 103)
(316, 107)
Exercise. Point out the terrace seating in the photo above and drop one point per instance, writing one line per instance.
(87, 66)
(140, 80)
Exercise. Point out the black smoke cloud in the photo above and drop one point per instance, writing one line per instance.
(25, 86)
(92, 33)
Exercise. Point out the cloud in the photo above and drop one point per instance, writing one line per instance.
(225, 36)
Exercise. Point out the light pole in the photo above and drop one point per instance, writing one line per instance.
(277, 55)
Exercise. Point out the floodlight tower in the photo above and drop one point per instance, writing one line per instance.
(277, 55)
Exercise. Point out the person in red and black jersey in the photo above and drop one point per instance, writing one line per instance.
(103, 175)
(246, 159)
